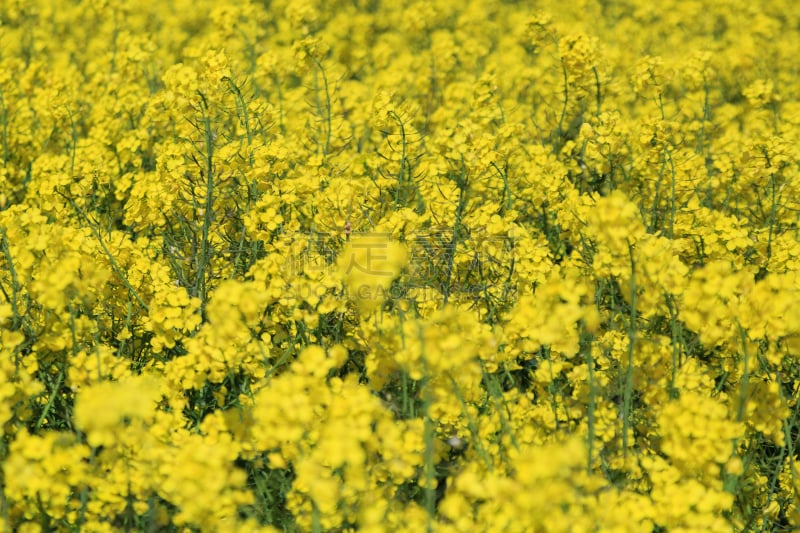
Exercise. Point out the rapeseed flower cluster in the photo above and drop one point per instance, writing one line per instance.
(399, 266)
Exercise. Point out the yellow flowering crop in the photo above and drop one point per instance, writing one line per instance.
(399, 266)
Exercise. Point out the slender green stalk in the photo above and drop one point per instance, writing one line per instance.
(775, 474)
(745, 375)
(451, 250)
(673, 321)
(429, 436)
(14, 298)
(328, 110)
(673, 198)
(401, 175)
(204, 258)
(599, 95)
(627, 400)
(772, 215)
(51, 399)
(558, 141)
(114, 265)
(61, 372)
(241, 108)
(316, 525)
(4, 122)
(507, 205)
(472, 426)
(551, 388)
(590, 415)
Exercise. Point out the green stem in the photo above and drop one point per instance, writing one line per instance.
(745, 376)
(472, 426)
(557, 142)
(627, 403)
(17, 320)
(429, 435)
(327, 106)
(4, 121)
(590, 421)
(401, 176)
(241, 106)
(114, 265)
(208, 208)
(462, 201)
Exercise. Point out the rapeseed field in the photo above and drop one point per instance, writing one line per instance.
(304, 265)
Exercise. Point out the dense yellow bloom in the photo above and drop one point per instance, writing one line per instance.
(46, 470)
(697, 433)
(368, 264)
(107, 407)
(399, 266)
